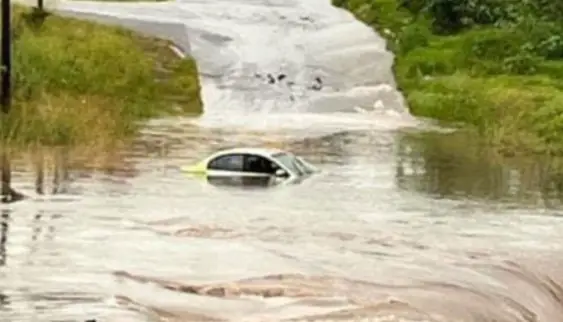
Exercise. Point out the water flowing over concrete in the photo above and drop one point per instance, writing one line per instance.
(260, 58)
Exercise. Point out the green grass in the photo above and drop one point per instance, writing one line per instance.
(480, 78)
(130, 0)
(82, 83)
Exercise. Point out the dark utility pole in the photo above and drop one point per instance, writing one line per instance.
(40, 5)
(5, 98)
(6, 56)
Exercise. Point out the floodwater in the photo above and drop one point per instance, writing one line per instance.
(400, 225)
(395, 228)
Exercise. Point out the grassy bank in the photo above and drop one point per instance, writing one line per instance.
(493, 65)
(82, 83)
(129, 0)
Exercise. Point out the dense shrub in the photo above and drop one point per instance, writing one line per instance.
(450, 16)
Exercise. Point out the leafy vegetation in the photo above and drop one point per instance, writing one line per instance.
(81, 83)
(492, 64)
(132, 0)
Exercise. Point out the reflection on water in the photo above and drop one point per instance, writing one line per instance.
(7, 193)
(446, 167)
(239, 181)
(3, 236)
(397, 225)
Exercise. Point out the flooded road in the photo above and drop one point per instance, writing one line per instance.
(397, 227)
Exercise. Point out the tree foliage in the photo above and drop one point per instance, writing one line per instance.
(526, 28)
(451, 16)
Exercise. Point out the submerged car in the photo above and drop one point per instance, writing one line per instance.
(252, 166)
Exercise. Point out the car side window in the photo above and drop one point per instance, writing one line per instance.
(259, 164)
(229, 162)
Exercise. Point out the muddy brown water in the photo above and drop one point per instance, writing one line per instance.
(398, 226)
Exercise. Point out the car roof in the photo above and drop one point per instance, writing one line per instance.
(257, 151)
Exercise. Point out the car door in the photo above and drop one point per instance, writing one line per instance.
(259, 166)
(226, 165)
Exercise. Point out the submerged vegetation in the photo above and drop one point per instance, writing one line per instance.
(495, 65)
(81, 83)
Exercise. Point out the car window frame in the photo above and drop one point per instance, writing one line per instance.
(210, 162)
(248, 155)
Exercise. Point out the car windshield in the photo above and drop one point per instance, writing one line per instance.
(293, 163)
(306, 166)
